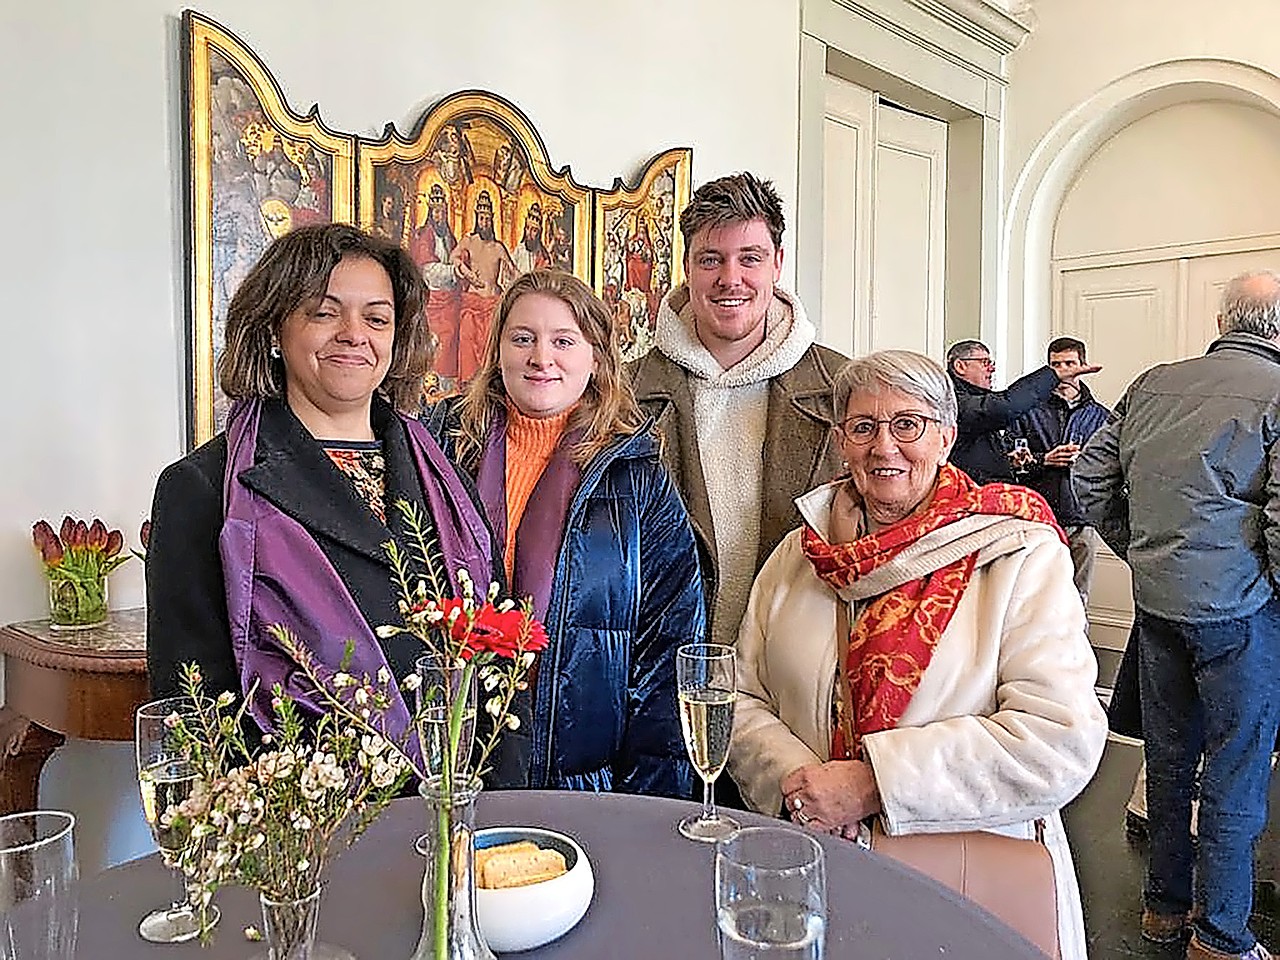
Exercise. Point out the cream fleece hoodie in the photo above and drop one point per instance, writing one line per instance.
(730, 408)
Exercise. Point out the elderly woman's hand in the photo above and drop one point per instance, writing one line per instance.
(832, 795)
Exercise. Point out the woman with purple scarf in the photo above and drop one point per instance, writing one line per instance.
(591, 528)
(282, 519)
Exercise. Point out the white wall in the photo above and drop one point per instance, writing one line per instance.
(1079, 46)
(1090, 67)
(91, 259)
(1186, 174)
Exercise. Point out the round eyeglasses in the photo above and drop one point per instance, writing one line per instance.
(985, 361)
(904, 427)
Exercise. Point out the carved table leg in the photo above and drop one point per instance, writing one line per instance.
(24, 748)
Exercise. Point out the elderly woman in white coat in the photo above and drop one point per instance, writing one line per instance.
(962, 697)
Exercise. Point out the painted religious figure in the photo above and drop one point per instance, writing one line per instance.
(638, 247)
(264, 171)
(475, 202)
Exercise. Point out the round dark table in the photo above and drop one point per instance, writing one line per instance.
(653, 896)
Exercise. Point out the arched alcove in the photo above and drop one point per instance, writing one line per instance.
(1023, 317)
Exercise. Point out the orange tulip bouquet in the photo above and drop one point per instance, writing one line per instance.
(77, 560)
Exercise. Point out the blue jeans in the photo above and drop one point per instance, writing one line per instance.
(1208, 689)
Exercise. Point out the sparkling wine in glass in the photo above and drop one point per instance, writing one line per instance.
(707, 688)
(165, 779)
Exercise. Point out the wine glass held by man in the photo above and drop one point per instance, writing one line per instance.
(282, 518)
(166, 777)
(591, 528)
(961, 695)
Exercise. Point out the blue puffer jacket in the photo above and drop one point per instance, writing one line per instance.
(627, 592)
(1052, 423)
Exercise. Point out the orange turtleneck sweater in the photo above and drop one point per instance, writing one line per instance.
(530, 443)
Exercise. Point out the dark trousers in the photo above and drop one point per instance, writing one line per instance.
(1208, 690)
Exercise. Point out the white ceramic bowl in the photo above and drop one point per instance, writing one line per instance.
(521, 918)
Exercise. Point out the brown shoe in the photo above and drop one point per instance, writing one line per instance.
(1164, 927)
(1198, 951)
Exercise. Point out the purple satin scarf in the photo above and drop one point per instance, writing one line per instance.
(276, 573)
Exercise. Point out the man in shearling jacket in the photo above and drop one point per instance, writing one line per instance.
(740, 391)
(1184, 483)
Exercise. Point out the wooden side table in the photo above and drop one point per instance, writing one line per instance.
(58, 684)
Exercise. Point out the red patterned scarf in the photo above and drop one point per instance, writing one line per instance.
(892, 642)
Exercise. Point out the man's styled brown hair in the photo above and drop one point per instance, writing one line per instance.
(737, 198)
(294, 270)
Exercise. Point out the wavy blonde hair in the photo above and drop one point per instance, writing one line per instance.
(607, 409)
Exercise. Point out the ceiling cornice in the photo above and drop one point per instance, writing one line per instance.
(983, 20)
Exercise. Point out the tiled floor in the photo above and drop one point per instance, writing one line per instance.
(1110, 868)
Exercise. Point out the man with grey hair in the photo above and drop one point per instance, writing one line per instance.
(1184, 483)
(983, 446)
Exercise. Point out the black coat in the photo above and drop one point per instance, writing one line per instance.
(984, 415)
(186, 594)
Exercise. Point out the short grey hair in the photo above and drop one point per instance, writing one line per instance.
(1251, 304)
(912, 373)
(961, 349)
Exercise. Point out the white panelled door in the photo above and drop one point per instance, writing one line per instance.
(884, 250)
(1127, 315)
(909, 234)
(1207, 277)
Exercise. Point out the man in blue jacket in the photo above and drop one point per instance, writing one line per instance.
(984, 416)
(1055, 432)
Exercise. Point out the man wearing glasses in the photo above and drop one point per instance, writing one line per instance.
(984, 415)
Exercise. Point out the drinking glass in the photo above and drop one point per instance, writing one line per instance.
(771, 895)
(707, 687)
(166, 778)
(39, 902)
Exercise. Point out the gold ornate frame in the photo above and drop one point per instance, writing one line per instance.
(270, 126)
(634, 271)
(256, 168)
(470, 145)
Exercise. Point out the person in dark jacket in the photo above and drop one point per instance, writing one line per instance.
(1055, 432)
(1183, 483)
(982, 443)
(282, 518)
(591, 527)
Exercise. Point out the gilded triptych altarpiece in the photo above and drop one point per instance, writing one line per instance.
(472, 196)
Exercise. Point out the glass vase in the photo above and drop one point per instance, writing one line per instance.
(77, 604)
(446, 717)
(289, 930)
(449, 922)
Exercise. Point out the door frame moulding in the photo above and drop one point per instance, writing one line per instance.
(1026, 298)
(952, 52)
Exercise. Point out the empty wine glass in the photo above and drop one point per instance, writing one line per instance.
(771, 895)
(707, 686)
(166, 778)
(39, 904)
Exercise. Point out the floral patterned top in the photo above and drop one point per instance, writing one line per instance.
(362, 463)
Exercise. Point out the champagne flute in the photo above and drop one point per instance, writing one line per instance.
(707, 686)
(165, 779)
